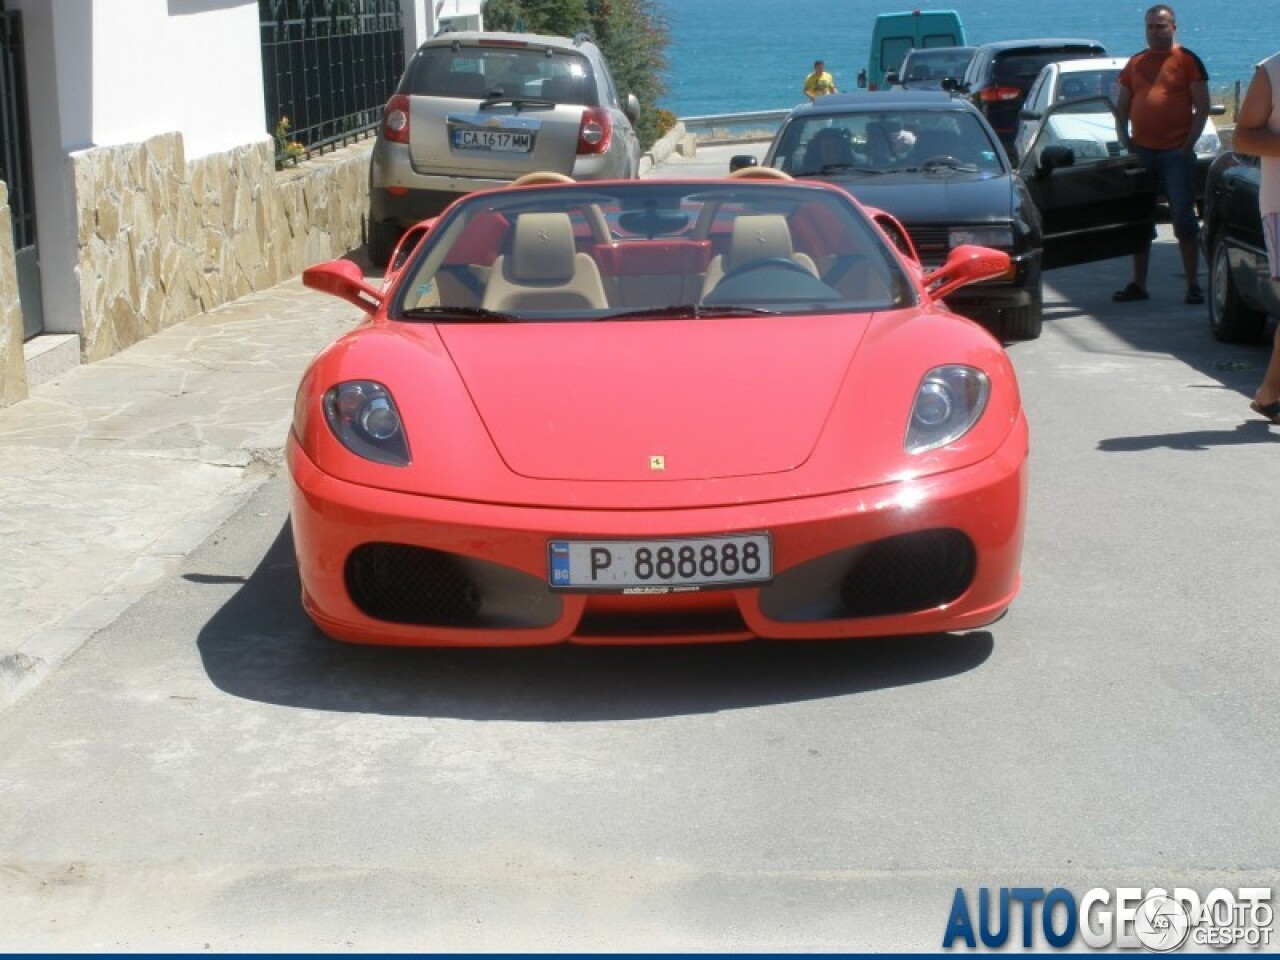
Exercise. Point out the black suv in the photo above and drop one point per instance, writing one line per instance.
(1001, 73)
(1241, 293)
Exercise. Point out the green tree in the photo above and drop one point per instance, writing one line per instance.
(633, 35)
(559, 18)
(503, 15)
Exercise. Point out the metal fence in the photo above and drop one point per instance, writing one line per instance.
(731, 127)
(329, 66)
(15, 143)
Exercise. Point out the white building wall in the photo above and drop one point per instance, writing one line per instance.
(109, 73)
(190, 66)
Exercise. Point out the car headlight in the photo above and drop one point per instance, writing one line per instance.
(949, 401)
(999, 237)
(364, 418)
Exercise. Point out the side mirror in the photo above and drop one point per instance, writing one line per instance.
(862, 78)
(891, 78)
(1029, 114)
(966, 264)
(950, 84)
(741, 161)
(631, 107)
(1051, 158)
(344, 280)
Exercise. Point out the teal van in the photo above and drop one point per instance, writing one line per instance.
(896, 33)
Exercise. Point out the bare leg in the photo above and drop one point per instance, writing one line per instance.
(1269, 392)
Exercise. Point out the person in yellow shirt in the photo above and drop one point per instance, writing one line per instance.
(819, 83)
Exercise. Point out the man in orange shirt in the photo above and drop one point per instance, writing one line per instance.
(1161, 109)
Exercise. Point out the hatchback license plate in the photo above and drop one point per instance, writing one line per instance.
(659, 566)
(504, 141)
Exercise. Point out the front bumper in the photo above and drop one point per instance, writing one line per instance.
(390, 568)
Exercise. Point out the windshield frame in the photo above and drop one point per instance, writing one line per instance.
(675, 230)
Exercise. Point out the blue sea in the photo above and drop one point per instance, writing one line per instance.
(732, 56)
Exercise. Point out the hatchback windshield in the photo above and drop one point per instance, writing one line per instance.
(1088, 83)
(923, 65)
(503, 71)
(651, 251)
(883, 142)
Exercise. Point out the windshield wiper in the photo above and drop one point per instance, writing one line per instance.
(458, 314)
(517, 102)
(848, 168)
(949, 163)
(688, 310)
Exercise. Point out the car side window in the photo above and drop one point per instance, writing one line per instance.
(607, 86)
(1086, 127)
(1034, 94)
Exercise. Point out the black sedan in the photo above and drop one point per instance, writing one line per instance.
(1241, 293)
(932, 161)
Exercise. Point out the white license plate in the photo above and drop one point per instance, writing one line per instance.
(659, 566)
(508, 141)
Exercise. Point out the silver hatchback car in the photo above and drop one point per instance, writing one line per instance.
(475, 111)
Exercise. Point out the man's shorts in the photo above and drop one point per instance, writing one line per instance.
(1176, 171)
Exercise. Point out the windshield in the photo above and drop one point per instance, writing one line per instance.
(478, 72)
(1088, 83)
(885, 142)
(923, 65)
(653, 251)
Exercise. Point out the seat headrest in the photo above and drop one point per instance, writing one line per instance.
(542, 250)
(756, 236)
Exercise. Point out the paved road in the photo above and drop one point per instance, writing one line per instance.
(207, 772)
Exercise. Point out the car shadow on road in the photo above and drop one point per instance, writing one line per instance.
(261, 646)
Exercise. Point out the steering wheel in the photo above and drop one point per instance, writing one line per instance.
(945, 160)
(765, 263)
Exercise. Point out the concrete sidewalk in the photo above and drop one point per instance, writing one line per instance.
(114, 471)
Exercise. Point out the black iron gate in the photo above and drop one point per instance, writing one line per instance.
(15, 167)
(329, 66)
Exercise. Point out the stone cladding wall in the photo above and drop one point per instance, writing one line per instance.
(13, 370)
(160, 239)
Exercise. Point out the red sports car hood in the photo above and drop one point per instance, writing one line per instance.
(655, 400)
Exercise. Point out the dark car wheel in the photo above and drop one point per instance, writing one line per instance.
(1023, 323)
(381, 243)
(1232, 320)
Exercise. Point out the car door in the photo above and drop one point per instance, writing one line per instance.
(1095, 200)
(1038, 99)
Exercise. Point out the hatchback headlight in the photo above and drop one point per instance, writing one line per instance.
(364, 418)
(949, 401)
(998, 237)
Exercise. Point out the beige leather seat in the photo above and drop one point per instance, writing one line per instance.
(544, 271)
(755, 237)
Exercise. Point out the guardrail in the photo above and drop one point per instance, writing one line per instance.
(731, 127)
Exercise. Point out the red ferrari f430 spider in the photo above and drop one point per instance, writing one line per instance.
(657, 411)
